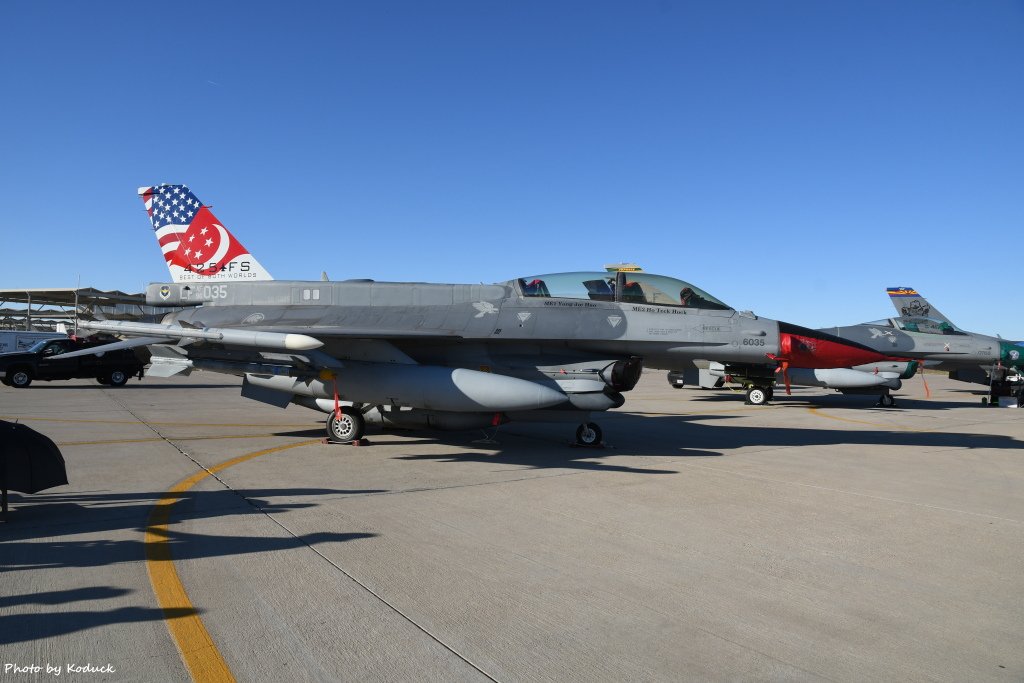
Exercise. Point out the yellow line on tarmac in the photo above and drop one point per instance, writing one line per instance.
(169, 438)
(816, 410)
(197, 648)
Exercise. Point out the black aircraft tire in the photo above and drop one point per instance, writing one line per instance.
(350, 427)
(756, 396)
(117, 378)
(19, 378)
(588, 434)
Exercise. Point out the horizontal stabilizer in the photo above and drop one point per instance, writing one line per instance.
(161, 366)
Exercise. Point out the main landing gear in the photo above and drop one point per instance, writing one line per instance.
(886, 401)
(346, 425)
(757, 396)
(589, 434)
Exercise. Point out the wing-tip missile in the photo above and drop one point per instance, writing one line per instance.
(230, 336)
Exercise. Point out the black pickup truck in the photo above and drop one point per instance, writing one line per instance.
(43, 361)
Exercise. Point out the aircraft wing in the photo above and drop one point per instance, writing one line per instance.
(273, 347)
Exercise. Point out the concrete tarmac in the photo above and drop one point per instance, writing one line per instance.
(818, 538)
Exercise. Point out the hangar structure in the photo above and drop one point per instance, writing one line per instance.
(44, 309)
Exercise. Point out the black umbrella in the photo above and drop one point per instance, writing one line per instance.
(29, 461)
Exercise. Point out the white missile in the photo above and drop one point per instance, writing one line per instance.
(232, 337)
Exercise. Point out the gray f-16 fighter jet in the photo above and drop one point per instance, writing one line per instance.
(921, 334)
(919, 318)
(876, 379)
(457, 356)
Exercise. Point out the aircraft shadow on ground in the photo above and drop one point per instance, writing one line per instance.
(514, 448)
(673, 436)
(97, 513)
(836, 401)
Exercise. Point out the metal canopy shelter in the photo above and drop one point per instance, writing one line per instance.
(46, 307)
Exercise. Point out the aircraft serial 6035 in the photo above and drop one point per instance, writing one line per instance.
(447, 356)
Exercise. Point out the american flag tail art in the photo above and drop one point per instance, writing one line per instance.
(195, 244)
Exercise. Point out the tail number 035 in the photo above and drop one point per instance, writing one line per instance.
(206, 292)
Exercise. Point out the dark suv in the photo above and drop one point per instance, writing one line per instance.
(43, 361)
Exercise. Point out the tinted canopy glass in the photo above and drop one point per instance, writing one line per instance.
(643, 288)
(926, 325)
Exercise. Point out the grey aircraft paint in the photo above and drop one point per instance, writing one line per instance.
(391, 348)
(924, 339)
(552, 346)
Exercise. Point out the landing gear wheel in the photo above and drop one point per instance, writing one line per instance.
(757, 396)
(347, 428)
(19, 379)
(588, 434)
(886, 401)
(118, 378)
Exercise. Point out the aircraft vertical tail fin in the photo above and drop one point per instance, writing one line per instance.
(909, 303)
(195, 244)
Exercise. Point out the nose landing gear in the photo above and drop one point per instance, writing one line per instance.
(757, 396)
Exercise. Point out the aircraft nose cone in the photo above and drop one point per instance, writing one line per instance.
(806, 348)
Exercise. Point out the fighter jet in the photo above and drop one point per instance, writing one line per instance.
(921, 334)
(919, 317)
(876, 379)
(557, 346)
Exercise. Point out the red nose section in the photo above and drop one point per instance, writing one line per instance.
(811, 352)
(801, 347)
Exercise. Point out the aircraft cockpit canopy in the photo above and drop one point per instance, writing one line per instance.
(918, 324)
(926, 325)
(639, 288)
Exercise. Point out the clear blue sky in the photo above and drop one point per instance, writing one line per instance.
(793, 158)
